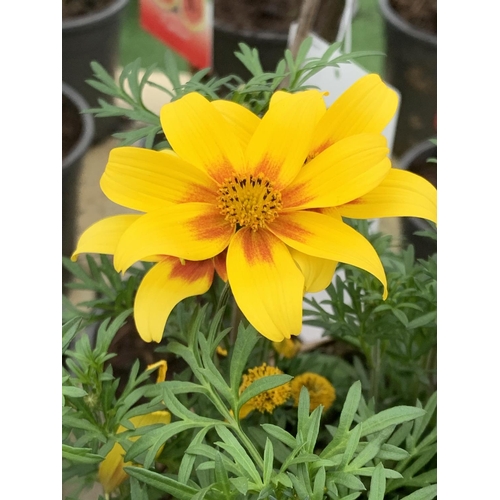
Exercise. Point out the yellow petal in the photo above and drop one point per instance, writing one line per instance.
(400, 194)
(345, 171)
(162, 370)
(243, 122)
(325, 237)
(281, 143)
(142, 179)
(163, 287)
(318, 273)
(366, 106)
(200, 135)
(266, 283)
(193, 231)
(111, 473)
(104, 235)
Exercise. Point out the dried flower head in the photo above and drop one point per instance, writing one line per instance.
(321, 391)
(266, 401)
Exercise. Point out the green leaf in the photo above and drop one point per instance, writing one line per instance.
(268, 461)
(261, 385)
(73, 392)
(245, 342)
(377, 485)
(162, 483)
(80, 455)
(371, 450)
(154, 439)
(280, 434)
(426, 493)
(422, 422)
(69, 332)
(319, 484)
(347, 479)
(236, 450)
(178, 409)
(351, 446)
(241, 484)
(221, 476)
(136, 491)
(401, 316)
(389, 417)
(187, 463)
(346, 418)
(423, 320)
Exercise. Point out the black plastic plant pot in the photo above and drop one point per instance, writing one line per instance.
(411, 67)
(271, 47)
(87, 38)
(71, 170)
(415, 160)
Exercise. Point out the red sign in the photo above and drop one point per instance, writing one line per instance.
(186, 26)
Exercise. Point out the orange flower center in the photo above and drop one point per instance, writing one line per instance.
(249, 201)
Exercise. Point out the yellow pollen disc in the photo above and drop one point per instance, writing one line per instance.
(249, 201)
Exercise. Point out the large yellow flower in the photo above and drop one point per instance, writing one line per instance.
(259, 200)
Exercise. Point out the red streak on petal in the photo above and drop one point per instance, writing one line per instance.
(287, 227)
(199, 193)
(295, 196)
(192, 271)
(210, 226)
(221, 170)
(257, 246)
(269, 168)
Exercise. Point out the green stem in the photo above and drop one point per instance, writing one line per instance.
(258, 460)
(375, 370)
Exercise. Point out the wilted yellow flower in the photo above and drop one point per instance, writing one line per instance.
(259, 200)
(162, 370)
(266, 401)
(321, 391)
(111, 473)
(288, 348)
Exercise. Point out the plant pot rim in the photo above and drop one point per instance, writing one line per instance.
(259, 35)
(87, 134)
(402, 24)
(81, 22)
